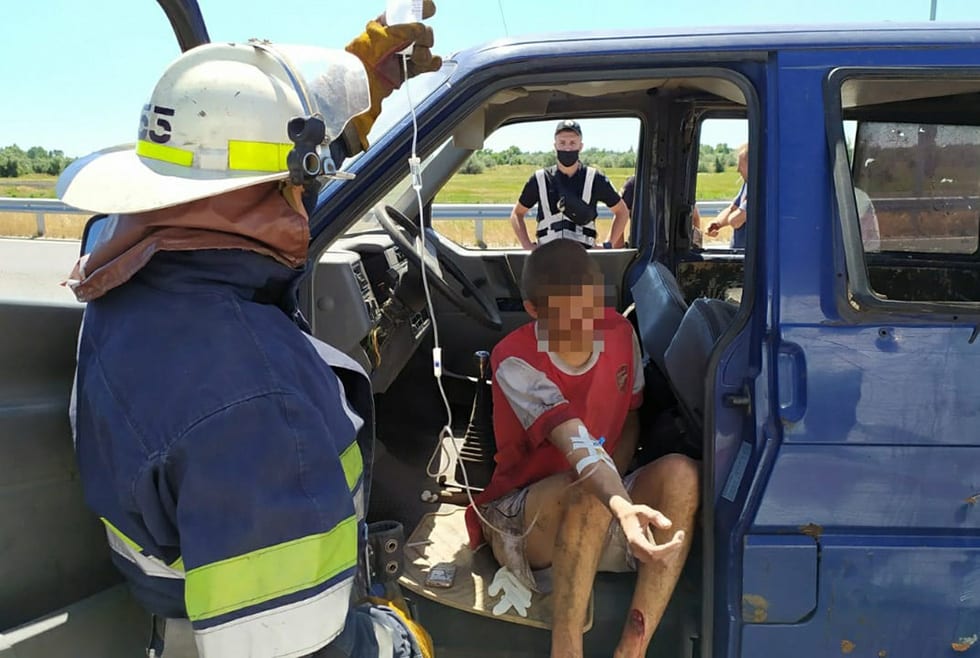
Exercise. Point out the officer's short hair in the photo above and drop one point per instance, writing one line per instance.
(559, 267)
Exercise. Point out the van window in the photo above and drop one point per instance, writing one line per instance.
(718, 181)
(918, 186)
(911, 213)
(473, 209)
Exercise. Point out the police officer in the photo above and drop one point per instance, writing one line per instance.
(223, 447)
(567, 195)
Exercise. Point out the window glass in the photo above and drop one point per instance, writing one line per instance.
(914, 159)
(473, 208)
(719, 183)
(917, 186)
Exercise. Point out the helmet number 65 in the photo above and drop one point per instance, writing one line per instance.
(160, 131)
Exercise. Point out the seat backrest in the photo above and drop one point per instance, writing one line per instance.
(687, 356)
(660, 306)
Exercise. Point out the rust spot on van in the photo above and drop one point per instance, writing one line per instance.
(755, 608)
(812, 530)
(972, 500)
(882, 653)
(846, 646)
(964, 643)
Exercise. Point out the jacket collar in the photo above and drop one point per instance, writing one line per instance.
(255, 219)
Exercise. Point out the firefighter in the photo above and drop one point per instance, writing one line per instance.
(222, 446)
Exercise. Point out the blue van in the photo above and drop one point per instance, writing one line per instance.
(826, 375)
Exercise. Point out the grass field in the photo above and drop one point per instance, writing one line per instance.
(497, 185)
(32, 186)
(503, 185)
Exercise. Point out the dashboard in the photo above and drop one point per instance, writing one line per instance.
(369, 303)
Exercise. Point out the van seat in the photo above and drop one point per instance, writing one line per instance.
(660, 306)
(687, 356)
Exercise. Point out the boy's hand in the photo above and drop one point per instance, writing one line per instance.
(636, 521)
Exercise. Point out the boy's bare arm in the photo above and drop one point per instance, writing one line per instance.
(599, 475)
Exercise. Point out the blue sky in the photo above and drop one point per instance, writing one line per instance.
(76, 74)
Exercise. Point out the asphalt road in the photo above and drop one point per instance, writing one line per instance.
(32, 270)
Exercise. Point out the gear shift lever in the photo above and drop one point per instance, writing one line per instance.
(479, 446)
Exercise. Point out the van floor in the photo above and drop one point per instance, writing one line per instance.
(408, 424)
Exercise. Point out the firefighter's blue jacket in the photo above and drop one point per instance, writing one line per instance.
(219, 444)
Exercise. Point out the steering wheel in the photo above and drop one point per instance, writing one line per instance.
(404, 233)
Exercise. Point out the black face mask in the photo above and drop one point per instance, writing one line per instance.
(567, 158)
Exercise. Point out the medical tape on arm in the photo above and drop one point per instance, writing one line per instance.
(596, 454)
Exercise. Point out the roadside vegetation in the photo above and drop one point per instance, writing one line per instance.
(488, 177)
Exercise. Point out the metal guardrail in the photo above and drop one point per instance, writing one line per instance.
(478, 212)
(40, 208)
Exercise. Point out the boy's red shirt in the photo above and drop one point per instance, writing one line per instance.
(532, 394)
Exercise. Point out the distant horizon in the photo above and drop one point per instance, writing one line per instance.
(614, 135)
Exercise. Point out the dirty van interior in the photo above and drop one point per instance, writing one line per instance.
(411, 411)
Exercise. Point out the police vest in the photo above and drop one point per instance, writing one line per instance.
(553, 226)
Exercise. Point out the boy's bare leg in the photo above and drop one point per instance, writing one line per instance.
(670, 485)
(577, 550)
(569, 535)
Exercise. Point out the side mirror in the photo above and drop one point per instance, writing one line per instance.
(94, 229)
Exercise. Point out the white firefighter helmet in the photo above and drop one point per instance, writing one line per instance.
(217, 122)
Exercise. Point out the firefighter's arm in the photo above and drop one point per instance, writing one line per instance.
(378, 47)
(264, 492)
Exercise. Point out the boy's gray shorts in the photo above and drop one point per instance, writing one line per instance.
(507, 513)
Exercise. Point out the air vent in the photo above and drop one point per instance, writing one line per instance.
(419, 322)
(362, 280)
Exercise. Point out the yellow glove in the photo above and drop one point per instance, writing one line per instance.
(420, 634)
(378, 47)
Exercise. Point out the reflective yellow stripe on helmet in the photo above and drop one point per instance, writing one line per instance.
(242, 155)
(269, 573)
(163, 153)
(257, 156)
(352, 463)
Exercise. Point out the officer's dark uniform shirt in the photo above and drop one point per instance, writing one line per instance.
(558, 185)
(629, 190)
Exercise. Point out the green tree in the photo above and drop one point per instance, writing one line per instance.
(15, 162)
(475, 164)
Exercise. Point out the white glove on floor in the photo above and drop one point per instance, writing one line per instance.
(515, 594)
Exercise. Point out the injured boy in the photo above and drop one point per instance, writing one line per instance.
(566, 389)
